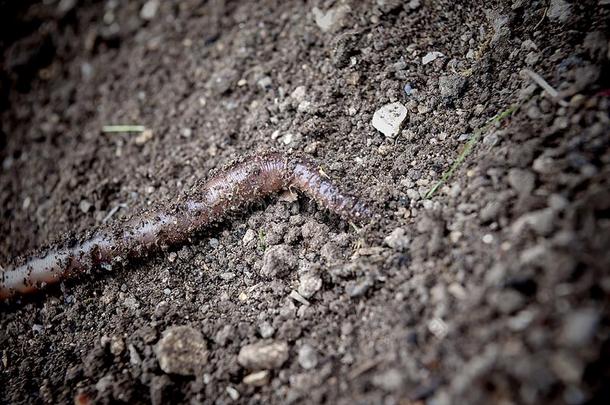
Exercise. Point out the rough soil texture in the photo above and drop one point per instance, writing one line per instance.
(495, 289)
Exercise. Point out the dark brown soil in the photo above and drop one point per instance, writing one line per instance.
(495, 289)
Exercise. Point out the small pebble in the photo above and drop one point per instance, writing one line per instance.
(223, 336)
(233, 393)
(84, 206)
(144, 137)
(307, 357)
(117, 345)
(265, 83)
(332, 19)
(258, 379)
(149, 10)
(248, 237)
(431, 57)
(579, 327)
(298, 297)
(389, 118)
(358, 288)
(408, 89)
(266, 330)
(299, 93)
(262, 356)
(522, 181)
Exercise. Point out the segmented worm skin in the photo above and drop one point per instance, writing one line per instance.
(230, 190)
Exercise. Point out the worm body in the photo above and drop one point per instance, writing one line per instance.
(230, 190)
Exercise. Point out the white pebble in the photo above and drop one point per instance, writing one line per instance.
(431, 57)
(389, 118)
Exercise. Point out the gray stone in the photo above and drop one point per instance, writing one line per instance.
(559, 10)
(249, 236)
(263, 356)
(492, 139)
(224, 335)
(307, 357)
(181, 350)
(299, 93)
(451, 86)
(579, 327)
(431, 57)
(491, 211)
(359, 287)
(544, 165)
(298, 297)
(522, 181)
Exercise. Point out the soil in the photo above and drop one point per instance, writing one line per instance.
(494, 288)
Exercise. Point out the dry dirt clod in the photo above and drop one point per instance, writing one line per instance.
(397, 240)
(182, 350)
(278, 260)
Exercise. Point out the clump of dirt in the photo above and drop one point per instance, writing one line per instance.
(492, 287)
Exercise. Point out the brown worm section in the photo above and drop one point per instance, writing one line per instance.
(230, 190)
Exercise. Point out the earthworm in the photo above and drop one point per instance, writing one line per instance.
(238, 186)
